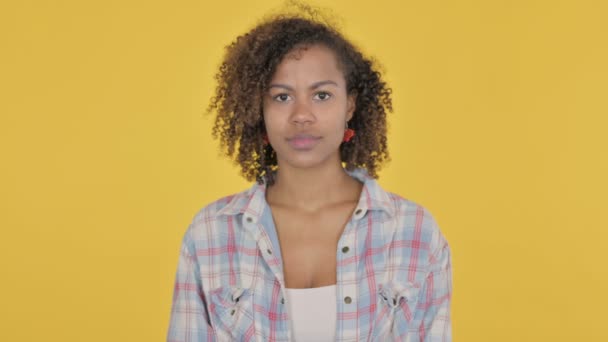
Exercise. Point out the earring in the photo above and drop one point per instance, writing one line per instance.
(349, 133)
(265, 138)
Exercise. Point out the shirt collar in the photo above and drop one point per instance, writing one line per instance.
(253, 200)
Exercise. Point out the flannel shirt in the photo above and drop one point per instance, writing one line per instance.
(394, 277)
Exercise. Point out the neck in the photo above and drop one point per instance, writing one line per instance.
(311, 189)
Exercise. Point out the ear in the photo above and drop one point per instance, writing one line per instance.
(350, 106)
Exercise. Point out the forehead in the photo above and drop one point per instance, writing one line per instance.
(311, 63)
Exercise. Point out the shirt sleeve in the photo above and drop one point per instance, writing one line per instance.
(436, 294)
(189, 319)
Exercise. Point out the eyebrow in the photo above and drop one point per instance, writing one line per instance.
(312, 86)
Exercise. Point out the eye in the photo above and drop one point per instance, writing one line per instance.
(322, 95)
(281, 97)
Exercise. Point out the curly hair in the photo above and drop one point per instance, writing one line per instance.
(247, 69)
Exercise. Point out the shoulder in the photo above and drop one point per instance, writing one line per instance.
(215, 216)
(406, 208)
(416, 223)
(215, 208)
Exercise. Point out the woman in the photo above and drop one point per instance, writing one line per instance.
(315, 250)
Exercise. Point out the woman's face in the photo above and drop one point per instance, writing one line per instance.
(307, 107)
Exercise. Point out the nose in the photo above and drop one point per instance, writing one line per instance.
(302, 112)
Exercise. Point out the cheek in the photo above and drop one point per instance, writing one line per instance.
(270, 121)
(273, 124)
(335, 121)
(268, 116)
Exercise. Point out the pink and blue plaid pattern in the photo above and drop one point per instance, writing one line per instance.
(394, 281)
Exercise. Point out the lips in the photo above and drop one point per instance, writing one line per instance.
(303, 141)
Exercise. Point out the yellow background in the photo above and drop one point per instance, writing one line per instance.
(499, 130)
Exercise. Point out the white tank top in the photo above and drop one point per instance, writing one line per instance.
(313, 313)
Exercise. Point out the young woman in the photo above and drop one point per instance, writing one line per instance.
(315, 250)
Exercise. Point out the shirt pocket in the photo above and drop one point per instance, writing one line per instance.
(396, 303)
(231, 311)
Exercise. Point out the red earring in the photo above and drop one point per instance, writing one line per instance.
(349, 133)
(265, 138)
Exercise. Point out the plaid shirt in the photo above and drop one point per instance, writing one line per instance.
(394, 277)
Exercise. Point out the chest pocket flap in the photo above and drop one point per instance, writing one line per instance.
(231, 311)
(396, 303)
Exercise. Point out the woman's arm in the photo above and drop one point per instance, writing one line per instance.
(189, 317)
(436, 293)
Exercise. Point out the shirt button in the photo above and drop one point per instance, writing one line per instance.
(358, 211)
(345, 249)
(249, 219)
(347, 300)
(232, 313)
(269, 251)
(282, 300)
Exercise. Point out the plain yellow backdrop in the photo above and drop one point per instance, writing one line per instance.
(499, 129)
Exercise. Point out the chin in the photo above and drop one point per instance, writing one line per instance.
(305, 161)
(303, 164)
